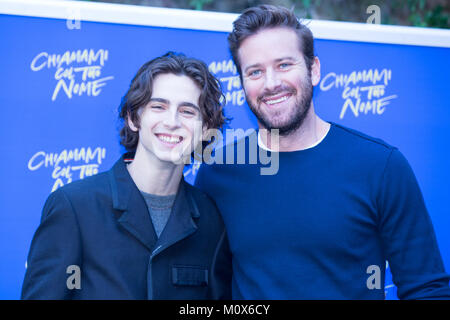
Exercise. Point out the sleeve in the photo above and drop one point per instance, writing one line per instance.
(56, 245)
(407, 234)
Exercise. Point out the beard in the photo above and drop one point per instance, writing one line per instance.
(295, 117)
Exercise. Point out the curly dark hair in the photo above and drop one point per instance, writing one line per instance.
(210, 101)
(255, 19)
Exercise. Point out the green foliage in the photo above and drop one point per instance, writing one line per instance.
(422, 16)
(307, 6)
(437, 18)
(198, 4)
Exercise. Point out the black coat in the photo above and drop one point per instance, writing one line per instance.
(102, 225)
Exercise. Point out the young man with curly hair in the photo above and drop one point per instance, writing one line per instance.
(139, 231)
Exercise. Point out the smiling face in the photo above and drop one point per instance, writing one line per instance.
(276, 80)
(171, 123)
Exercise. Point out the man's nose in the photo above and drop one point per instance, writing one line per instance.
(172, 120)
(272, 80)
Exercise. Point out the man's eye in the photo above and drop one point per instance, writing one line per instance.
(188, 112)
(254, 73)
(285, 65)
(157, 107)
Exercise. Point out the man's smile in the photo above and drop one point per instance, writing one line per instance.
(169, 139)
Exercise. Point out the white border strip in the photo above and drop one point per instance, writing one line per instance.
(215, 21)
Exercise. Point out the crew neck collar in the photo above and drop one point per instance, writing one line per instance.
(263, 146)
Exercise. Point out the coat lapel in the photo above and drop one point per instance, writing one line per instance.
(136, 219)
(181, 223)
(127, 198)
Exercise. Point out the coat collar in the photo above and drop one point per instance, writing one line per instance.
(135, 218)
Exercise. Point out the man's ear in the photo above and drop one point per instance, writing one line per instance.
(131, 124)
(315, 72)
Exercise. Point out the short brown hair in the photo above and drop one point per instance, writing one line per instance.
(210, 101)
(255, 19)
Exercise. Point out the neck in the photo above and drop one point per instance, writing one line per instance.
(310, 133)
(154, 176)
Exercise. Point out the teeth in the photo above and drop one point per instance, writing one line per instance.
(169, 139)
(277, 100)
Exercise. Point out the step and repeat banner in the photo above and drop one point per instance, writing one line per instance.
(62, 80)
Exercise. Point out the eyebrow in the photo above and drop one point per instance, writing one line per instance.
(276, 60)
(181, 104)
(285, 58)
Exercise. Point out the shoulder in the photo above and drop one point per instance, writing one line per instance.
(92, 184)
(84, 190)
(358, 143)
(370, 151)
(205, 204)
(362, 138)
(199, 196)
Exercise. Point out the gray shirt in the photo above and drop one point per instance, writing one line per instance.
(159, 208)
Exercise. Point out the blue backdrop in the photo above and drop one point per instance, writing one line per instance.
(61, 88)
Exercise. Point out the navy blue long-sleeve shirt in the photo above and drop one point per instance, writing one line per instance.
(324, 225)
